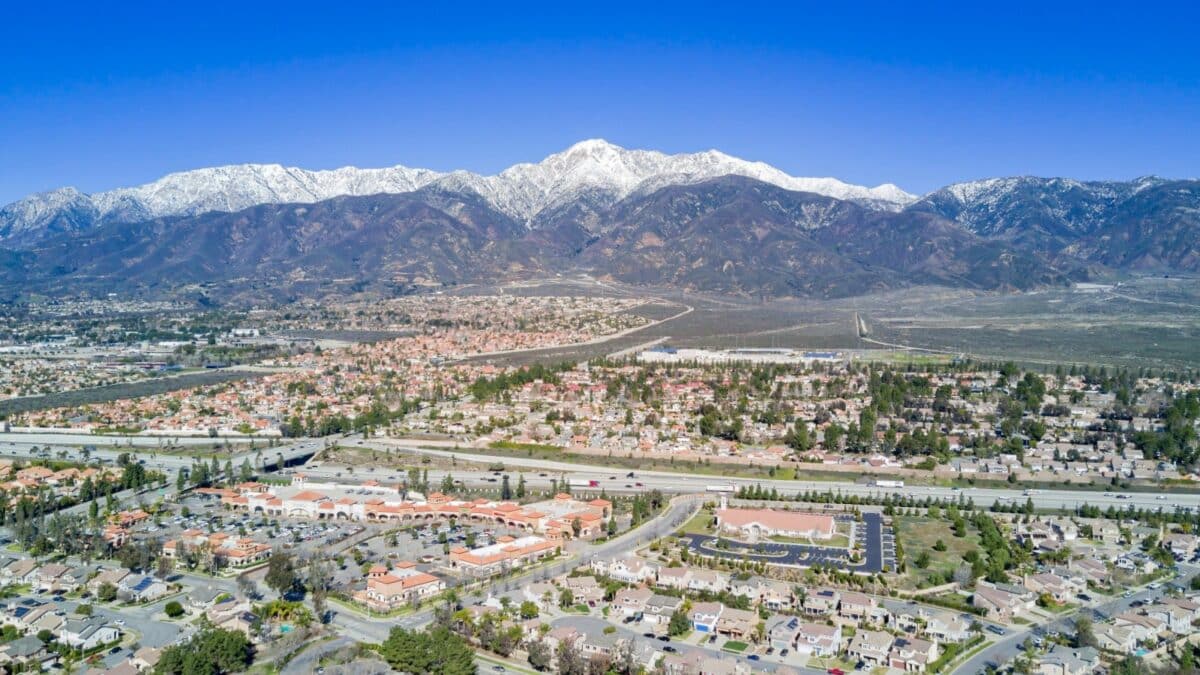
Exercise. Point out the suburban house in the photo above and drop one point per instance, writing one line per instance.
(541, 594)
(674, 577)
(631, 601)
(912, 655)
(86, 634)
(1061, 589)
(818, 639)
(1062, 660)
(704, 616)
(737, 623)
(109, 576)
(1000, 604)
(659, 609)
(628, 569)
(142, 589)
(1113, 638)
(871, 646)
(585, 590)
(821, 602)
(27, 649)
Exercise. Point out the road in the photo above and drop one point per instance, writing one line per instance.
(1008, 647)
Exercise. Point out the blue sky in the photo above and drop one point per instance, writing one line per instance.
(916, 94)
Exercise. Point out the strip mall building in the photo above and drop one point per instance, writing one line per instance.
(553, 519)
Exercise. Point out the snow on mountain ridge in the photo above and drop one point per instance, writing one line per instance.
(593, 166)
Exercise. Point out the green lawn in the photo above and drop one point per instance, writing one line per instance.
(919, 533)
(837, 541)
(699, 524)
(735, 646)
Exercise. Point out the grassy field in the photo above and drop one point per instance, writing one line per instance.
(919, 533)
(699, 524)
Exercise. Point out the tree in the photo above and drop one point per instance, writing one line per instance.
(539, 656)
(281, 572)
(570, 661)
(84, 610)
(576, 527)
(1130, 665)
(247, 587)
(319, 580)
(566, 598)
(433, 651)
(521, 486)
(1084, 635)
(209, 651)
(505, 488)
(173, 609)
(1187, 660)
(679, 624)
(106, 593)
(529, 610)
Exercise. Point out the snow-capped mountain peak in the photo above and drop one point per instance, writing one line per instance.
(592, 167)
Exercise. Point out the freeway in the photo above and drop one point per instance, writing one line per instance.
(687, 483)
(676, 483)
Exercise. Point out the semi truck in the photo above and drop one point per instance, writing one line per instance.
(576, 482)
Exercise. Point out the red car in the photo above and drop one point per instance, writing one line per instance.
(836, 671)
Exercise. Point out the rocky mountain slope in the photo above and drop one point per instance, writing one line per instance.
(731, 234)
(705, 221)
(594, 172)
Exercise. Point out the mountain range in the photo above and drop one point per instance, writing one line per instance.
(703, 221)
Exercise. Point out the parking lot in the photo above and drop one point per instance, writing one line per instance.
(878, 549)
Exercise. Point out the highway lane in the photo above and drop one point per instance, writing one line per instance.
(681, 483)
(664, 480)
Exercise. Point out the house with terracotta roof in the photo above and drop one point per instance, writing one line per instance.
(389, 589)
